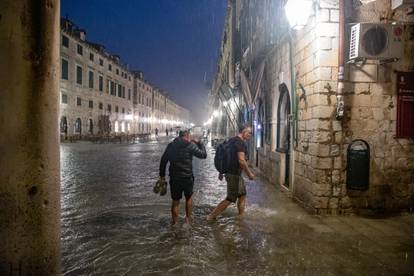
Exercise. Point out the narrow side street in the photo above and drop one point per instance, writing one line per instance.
(113, 224)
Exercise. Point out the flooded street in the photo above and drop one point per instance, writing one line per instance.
(113, 224)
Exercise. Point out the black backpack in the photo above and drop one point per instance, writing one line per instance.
(223, 156)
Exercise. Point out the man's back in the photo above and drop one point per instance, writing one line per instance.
(180, 155)
(237, 145)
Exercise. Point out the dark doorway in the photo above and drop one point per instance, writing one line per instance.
(64, 126)
(283, 128)
(90, 126)
(78, 126)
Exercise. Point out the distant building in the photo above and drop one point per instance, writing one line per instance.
(100, 95)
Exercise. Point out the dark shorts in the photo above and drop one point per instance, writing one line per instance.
(235, 187)
(181, 185)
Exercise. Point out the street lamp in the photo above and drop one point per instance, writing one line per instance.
(298, 12)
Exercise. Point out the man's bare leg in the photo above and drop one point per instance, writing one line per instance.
(219, 209)
(188, 209)
(174, 211)
(241, 204)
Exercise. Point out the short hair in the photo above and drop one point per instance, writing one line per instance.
(243, 127)
(183, 133)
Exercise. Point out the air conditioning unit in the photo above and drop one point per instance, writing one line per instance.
(402, 4)
(376, 41)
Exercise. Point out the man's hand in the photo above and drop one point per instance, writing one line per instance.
(220, 177)
(251, 176)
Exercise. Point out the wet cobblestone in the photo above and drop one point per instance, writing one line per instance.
(113, 224)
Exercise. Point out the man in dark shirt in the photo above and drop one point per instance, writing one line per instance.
(180, 154)
(236, 189)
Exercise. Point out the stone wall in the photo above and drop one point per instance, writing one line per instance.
(371, 115)
(317, 170)
(317, 167)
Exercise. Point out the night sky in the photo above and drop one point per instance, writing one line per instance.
(175, 42)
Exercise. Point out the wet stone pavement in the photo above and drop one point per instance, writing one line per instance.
(113, 224)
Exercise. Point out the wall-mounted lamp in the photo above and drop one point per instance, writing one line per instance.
(298, 12)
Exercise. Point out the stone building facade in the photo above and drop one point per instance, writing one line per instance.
(305, 117)
(143, 103)
(100, 95)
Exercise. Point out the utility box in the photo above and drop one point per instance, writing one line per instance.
(358, 168)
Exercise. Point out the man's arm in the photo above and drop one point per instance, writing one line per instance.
(164, 161)
(198, 150)
(244, 166)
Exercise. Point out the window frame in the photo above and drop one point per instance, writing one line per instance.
(77, 75)
(65, 38)
(79, 49)
(67, 69)
(91, 81)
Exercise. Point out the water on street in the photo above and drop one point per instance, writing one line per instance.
(113, 224)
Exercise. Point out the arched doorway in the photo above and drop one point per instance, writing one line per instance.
(78, 126)
(122, 127)
(116, 127)
(90, 126)
(260, 124)
(64, 126)
(283, 131)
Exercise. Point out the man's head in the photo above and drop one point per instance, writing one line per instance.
(185, 134)
(245, 131)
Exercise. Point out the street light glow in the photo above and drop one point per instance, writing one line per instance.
(298, 12)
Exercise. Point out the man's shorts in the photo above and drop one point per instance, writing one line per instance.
(179, 186)
(235, 187)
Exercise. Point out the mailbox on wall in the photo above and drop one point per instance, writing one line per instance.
(357, 169)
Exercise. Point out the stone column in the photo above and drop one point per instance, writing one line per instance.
(29, 141)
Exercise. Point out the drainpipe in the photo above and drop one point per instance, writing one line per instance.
(340, 105)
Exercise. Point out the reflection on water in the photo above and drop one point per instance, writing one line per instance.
(113, 224)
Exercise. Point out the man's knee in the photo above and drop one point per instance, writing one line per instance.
(175, 203)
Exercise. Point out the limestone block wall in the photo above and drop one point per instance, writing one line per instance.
(317, 167)
(371, 115)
